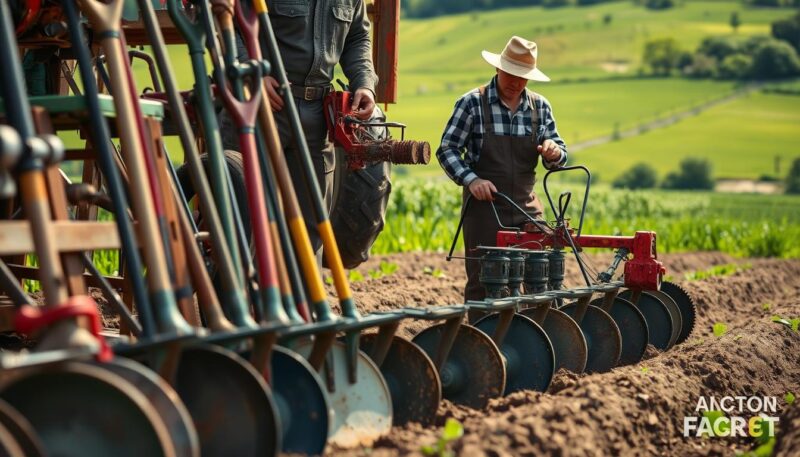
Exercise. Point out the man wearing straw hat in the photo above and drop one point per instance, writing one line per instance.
(493, 142)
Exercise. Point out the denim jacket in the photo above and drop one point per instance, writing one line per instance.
(315, 35)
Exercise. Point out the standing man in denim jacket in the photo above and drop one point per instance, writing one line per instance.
(493, 143)
(313, 36)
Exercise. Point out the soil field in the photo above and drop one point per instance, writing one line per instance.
(633, 410)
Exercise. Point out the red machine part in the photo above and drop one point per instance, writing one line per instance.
(643, 271)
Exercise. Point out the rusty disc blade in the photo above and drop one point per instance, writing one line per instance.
(602, 335)
(658, 317)
(303, 404)
(164, 399)
(409, 373)
(527, 353)
(569, 344)
(230, 403)
(473, 372)
(21, 431)
(362, 410)
(632, 327)
(674, 312)
(81, 409)
(686, 306)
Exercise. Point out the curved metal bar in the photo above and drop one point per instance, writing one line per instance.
(585, 195)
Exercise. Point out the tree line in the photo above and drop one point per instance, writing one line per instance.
(431, 8)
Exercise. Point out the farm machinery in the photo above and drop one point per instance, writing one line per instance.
(227, 340)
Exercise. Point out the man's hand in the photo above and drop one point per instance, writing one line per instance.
(363, 103)
(482, 189)
(549, 150)
(275, 100)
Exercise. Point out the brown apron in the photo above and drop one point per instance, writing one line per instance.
(509, 162)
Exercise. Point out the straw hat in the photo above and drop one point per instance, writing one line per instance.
(518, 58)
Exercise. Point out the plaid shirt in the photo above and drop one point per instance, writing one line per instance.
(464, 132)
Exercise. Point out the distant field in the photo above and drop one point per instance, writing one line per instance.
(573, 42)
(741, 139)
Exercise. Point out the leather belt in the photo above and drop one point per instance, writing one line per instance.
(310, 93)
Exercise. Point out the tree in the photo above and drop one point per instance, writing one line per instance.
(788, 30)
(793, 178)
(735, 22)
(702, 66)
(718, 47)
(639, 176)
(659, 4)
(694, 174)
(661, 55)
(736, 66)
(776, 59)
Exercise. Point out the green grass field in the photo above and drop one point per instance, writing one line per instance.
(741, 139)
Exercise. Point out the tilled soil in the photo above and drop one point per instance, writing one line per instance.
(633, 410)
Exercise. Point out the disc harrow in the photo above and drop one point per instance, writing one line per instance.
(228, 341)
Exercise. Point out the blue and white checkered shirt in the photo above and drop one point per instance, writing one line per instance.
(464, 132)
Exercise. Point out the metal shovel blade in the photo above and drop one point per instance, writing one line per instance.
(230, 403)
(527, 352)
(658, 317)
(303, 404)
(164, 399)
(20, 431)
(363, 410)
(473, 372)
(569, 344)
(78, 409)
(410, 374)
(602, 338)
(687, 308)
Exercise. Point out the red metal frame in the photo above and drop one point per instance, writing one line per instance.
(643, 271)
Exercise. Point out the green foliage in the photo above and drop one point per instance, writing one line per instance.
(452, 431)
(640, 176)
(789, 398)
(719, 47)
(776, 59)
(659, 4)
(661, 55)
(788, 30)
(765, 448)
(713, 417)
(719, 329)
(735, 21)
(435, 272)
(717, 271)
(355, 276)
(736, 66)
(423, 214)
(792, 185)
(694, 174)
(766, 306)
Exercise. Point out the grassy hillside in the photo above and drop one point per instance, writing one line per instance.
(741, 139)
(440, 60)
(573, 42)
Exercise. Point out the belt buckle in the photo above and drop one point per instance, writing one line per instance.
(308, 93)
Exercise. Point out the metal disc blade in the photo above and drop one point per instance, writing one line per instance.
(21, 431)
(686, 306)
(632, 327)
(362, 411)
(9, 447)
(164, 399)
(658, 317)
(79, 409)
(674, 312)
(603, 339)
(230, 403)
(473, 372)
(569, 344)
(526, 350)
(305, 410)
(410, 374)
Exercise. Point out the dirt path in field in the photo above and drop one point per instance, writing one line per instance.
(634, 410)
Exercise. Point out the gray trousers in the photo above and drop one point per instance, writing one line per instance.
(322, 156)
